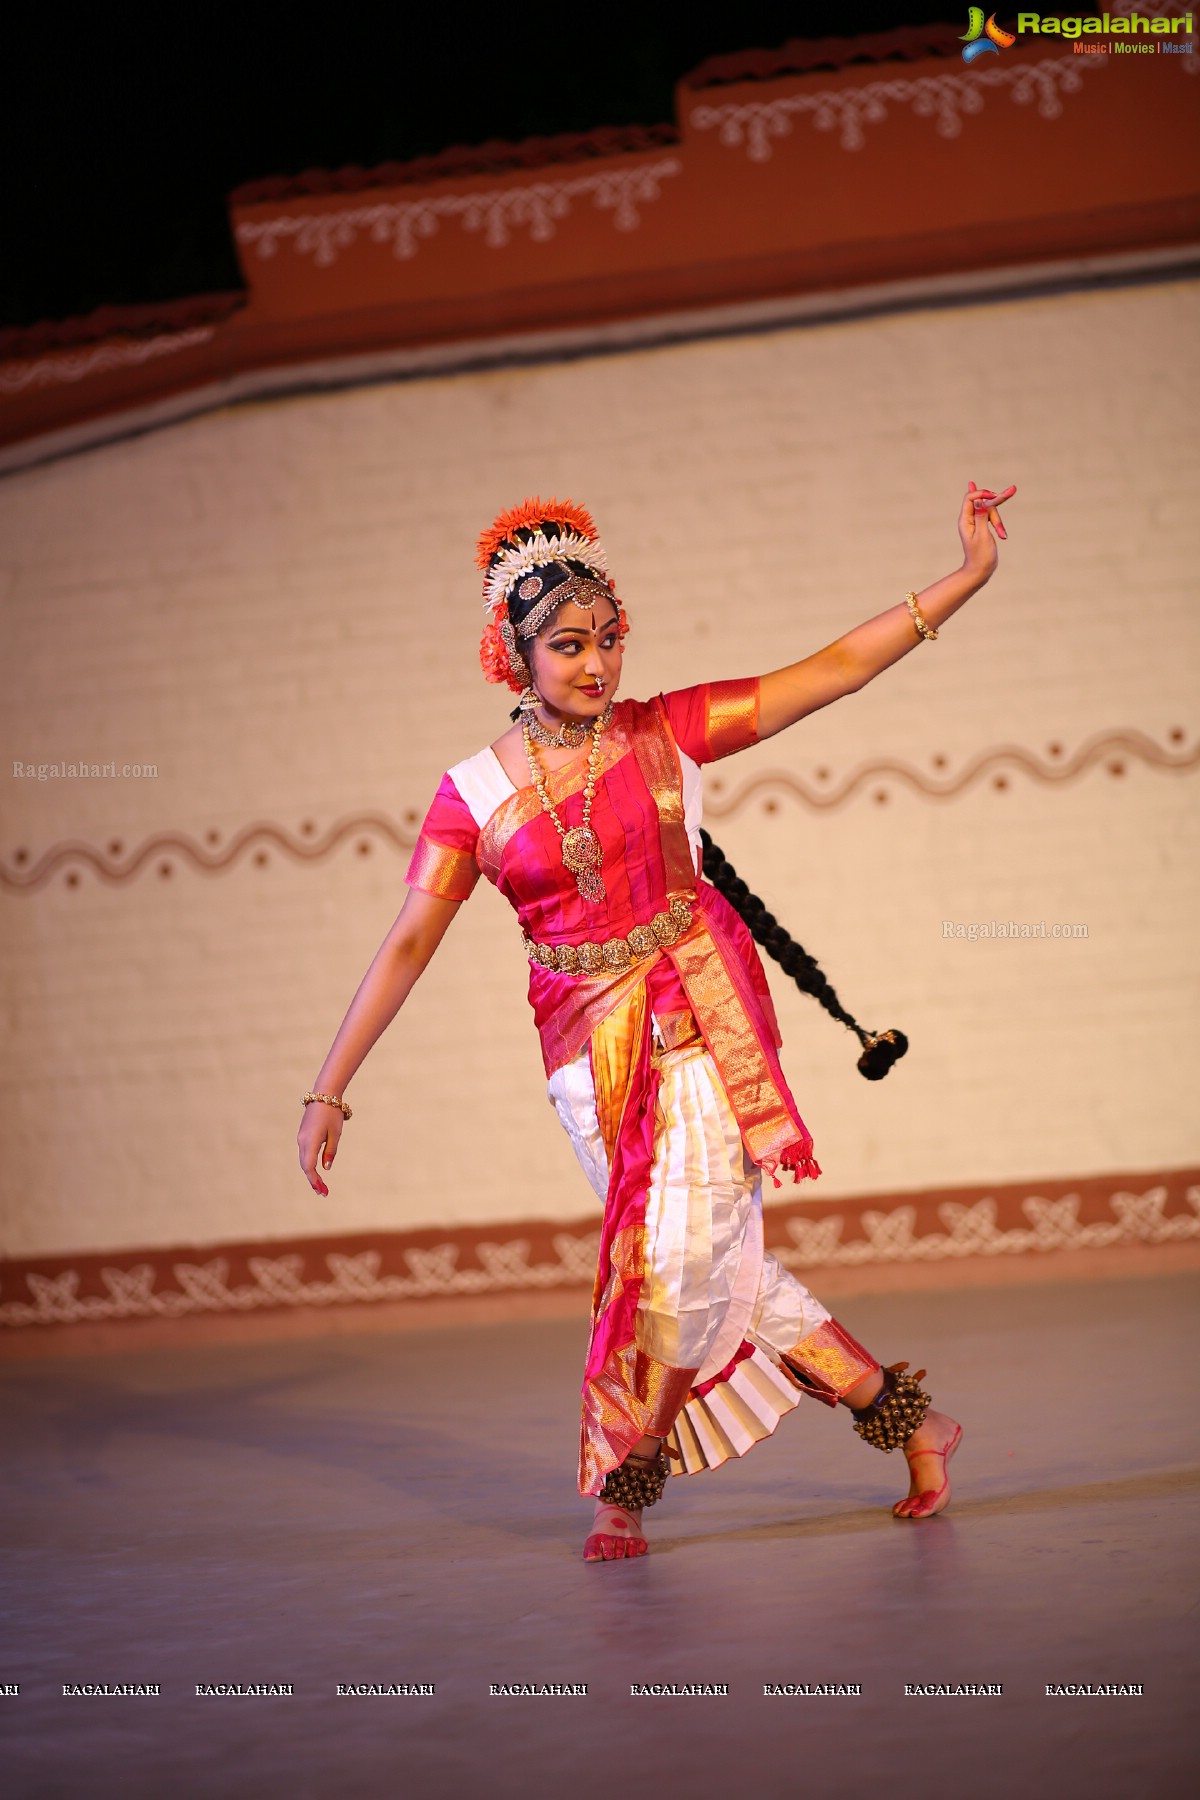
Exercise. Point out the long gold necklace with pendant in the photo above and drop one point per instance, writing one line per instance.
(582, 851)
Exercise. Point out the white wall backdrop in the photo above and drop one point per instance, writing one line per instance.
(277, 606)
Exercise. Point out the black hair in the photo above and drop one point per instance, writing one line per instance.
(880, 1049)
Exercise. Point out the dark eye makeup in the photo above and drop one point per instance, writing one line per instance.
(572, 646)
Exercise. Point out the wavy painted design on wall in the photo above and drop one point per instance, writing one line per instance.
(164, 852)
(167, 851)
(1113, 749)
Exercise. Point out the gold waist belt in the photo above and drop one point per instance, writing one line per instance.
(614, 953)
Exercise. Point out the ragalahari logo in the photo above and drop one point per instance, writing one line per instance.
(980, 38)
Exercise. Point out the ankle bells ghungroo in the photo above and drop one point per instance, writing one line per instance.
(897, 1410)
(639, 1481)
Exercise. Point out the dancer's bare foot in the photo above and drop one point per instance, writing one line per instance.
(928, 1451)
(616, 1532)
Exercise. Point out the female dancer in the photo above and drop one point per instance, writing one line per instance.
(657, 1029)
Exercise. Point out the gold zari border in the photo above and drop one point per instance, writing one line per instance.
(731, 721)
(832, 1361)
(658, 758)
(436, 869)
(766, 1124)
(633, 1394)
(614, 1047)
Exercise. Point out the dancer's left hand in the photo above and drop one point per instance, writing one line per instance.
(978, 520)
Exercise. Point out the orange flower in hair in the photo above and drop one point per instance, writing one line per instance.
(528, 516)
(493, 657)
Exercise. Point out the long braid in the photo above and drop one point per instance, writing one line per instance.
(880, 1049)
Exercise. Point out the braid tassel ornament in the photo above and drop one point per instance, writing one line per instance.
(638, 1481)
(879, 1049)
(897, 1410)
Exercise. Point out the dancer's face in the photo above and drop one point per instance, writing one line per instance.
(576, 659)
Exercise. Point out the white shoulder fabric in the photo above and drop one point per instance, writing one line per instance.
(693, 803)
(482, 783)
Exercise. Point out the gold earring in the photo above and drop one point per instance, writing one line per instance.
(529, 699)
(516, 662)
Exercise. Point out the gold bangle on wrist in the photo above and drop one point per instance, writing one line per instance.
(329, 1100)
(926, 630)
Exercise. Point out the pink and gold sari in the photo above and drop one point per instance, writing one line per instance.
(665, 1074)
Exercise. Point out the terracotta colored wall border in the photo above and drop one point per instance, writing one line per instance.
(853, 163)
(949, 1226)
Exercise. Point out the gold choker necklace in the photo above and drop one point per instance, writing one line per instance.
(570, 735)
(582, 851)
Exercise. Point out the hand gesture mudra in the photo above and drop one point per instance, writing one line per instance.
(978, 519)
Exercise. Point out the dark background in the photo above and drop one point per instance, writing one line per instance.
(123, 129)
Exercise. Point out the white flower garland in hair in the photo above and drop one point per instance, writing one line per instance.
(540, 549)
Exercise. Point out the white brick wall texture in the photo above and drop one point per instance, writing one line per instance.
(277, 606)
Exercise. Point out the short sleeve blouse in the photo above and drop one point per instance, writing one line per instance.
(714, 719)
(443, 862)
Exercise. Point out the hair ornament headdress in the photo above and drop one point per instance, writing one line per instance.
(515, 562)
(515, 545)
(529, 516)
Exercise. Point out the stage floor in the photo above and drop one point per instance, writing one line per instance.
(403, 1509)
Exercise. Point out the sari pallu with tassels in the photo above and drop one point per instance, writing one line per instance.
(660, 1070)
